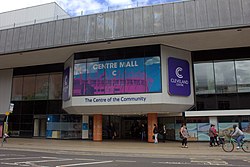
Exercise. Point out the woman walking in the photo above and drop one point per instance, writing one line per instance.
(184, 134)
(156, 131)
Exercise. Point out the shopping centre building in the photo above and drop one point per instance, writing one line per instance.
(167, 64)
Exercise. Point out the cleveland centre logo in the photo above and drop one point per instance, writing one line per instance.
(177, 72)
(179, 77)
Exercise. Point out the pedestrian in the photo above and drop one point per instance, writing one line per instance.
(211, 134)
(164, 133)
(184, 135)
(238, 135)
(112, 131)
(143, 132)
(216, 135)
(156, 132)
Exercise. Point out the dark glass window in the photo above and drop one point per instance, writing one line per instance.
(135, 52)
(13, 127)
(29, 87)
(17, 88)
(26, 119)
(110, 54)
(225, 80)
(200, 105)
(228, 119)
(37, 87)
(27, 107)
(204, 78)
(227, 101)
(17, 107)
(242, 74)
(40, 107)
(223, 105)
(55, 86)
(244, 100)
(26, 127)
(55, 107)
(42, 87)
(15, 118)
(208, 101)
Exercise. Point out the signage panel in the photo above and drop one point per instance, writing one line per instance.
(179, 77)
(66, 92)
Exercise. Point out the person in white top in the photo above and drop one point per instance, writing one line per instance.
(238, 135)
(185, 135)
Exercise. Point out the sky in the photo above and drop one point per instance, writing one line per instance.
(77, 7)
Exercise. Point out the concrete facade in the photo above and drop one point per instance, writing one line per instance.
(165, 19)
(179, 28)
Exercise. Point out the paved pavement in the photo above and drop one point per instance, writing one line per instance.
(118, 147)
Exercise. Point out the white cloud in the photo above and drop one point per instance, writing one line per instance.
(154, 60)
(76, 7)
(120, 2)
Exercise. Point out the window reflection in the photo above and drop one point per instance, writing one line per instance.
(29, 87)
(232, 85)
(225, 77)
(242, 75)
(40, 87)
(204, 78)
(42, 83)
(55, 86)
(17, 88)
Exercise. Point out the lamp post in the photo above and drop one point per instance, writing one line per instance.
(5, 129)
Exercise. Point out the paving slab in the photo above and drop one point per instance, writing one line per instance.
(119, 147)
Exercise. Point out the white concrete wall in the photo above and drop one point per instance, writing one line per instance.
(5, 89)
(31, 15)
(85, 127)
(214, 120)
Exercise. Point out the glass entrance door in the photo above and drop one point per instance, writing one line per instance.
(133, 127)
(39, 126)
(126, 127)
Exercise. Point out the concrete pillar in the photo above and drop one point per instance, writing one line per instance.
(36, 127)
(43, 127)
(152, 119)
(85, 127)
(214, 120)
(97, 130)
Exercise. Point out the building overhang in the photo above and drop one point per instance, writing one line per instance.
(132, 109)
(215, 113)
(191, 41)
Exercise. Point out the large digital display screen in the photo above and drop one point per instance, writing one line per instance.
(137, 75)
